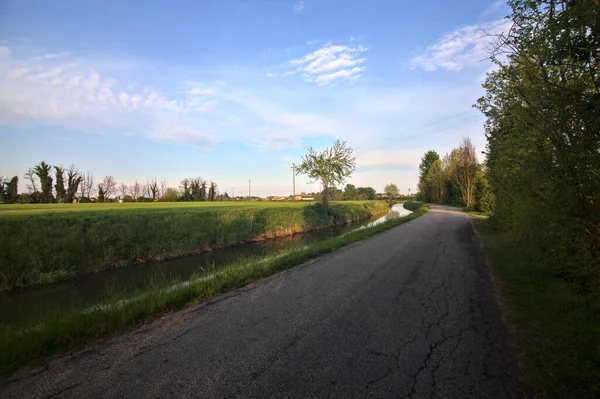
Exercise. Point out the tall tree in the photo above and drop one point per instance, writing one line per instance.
(331, 166)
(350, 192)
(74, 179)
(61, 193)
(186, 190)
(212, 191)
(109, 185)
(136, 190)
(153, 187)
(368, 192)
(428, 159)
(391, 191)
(543, 152)
(43, 173)
(87, 186)
(30, 175)
(464, 169)
(10, 190)
(123, 190)
(202, 191)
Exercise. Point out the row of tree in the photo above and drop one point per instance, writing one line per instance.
(543, 129)
(457, 179)
(48, 184)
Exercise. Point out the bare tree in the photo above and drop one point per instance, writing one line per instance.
(163, 187)
(123, 190)
(108, 186)
(464, 170)
(146, 191)
(153, 188)
(87, 185)
(30, 175)
(136, 190)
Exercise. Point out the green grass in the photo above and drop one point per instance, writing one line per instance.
(70, 329)
(32, 209)
(46, 247)
(555, 325)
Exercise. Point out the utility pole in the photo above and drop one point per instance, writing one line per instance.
(294, 181)
(249, 191)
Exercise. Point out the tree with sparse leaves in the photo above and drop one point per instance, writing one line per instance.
(331, 167)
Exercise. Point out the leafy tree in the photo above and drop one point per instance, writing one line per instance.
(100, 193)
(350, 192)
(428, 159)
(74, 179)
(169, 195)
(543, 152)
(391, 191)
(368, 193)
(10, 190)
(212, 191)
(61, 193)
(43, 173)
(186, 190)
(484, 197)
(330, 166)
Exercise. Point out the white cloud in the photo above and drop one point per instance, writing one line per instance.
(183, 134)
(331, 64)
(4, 52)
(276, 143)
(51, 56)
(465, 47)
(299, 6)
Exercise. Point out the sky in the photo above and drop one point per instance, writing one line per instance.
(232, 91)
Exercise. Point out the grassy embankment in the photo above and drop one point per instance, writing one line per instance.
(555, 325)
(70, 329)
(48, 243)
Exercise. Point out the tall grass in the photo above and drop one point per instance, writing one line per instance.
(47, 247)
(58, 332)
(556, 324)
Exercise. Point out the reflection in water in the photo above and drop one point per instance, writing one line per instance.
(84, 291)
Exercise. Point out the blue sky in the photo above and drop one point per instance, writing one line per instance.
(237, 90)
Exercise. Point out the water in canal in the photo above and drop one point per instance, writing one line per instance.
(21, 304)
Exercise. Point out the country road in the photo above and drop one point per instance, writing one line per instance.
(407, 313)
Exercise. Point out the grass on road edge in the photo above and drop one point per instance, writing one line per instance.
(556, 327)
(58, 333)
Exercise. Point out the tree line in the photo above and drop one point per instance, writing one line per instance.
(542, 105)
(458, 179)
(55, 184)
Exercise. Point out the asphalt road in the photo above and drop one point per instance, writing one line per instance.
(407, 313)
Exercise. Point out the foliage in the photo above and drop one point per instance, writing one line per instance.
(368, 192)
(170, 195)
(543, 117)
(426, 162)
(42, 171)
(117, 235)
(484, 196)
(330, 166)
(350, 192)
(391, 191)
(556, 326)
(10, 190)
(61, 193)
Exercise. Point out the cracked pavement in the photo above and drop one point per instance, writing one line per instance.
(408, 313)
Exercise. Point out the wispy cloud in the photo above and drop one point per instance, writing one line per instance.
(465, 47)
(331, 64)
(183, 134)
(299, 7)
(4, 52)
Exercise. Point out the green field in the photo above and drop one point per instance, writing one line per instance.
(48, 243)
(29, 209)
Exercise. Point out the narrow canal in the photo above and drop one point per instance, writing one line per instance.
(19, 305)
